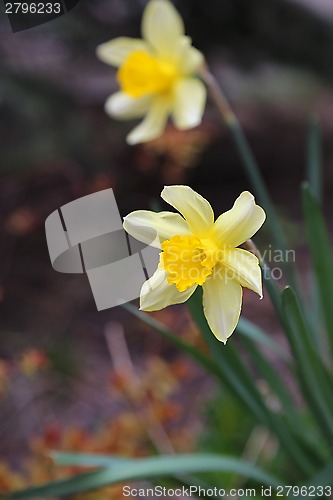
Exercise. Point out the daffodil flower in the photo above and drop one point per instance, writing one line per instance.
(196, 251)
(156, 74)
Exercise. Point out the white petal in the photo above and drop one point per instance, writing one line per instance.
(189, 103)
(156, 293)
(115, 51)
(154, 123)
(244, 267)
(162, 26)
(190, 59)
(154, 227)
(125, 107)
(196, 210)
(222, 303)
(240, 223)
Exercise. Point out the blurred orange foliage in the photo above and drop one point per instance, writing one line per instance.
(152, 421)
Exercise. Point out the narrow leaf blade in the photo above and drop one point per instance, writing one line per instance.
(148, 468)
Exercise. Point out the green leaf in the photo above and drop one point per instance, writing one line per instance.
(314, 177)
(321, 256)
(87, 459)
(316, 381)
(273, 289)
(232, 370)
(273, 379)
(238, 378)
(249, 330)
(147, 468)
(229, 370)
(107, 461)
(314, 167)
(324, 477)
(279, 390)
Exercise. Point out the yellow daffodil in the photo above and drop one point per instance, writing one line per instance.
(198, 251)
(156, 74)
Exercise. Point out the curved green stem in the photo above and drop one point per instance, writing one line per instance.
(250, 164)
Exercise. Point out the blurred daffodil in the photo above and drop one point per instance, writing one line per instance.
(198, 251)
(156, 74)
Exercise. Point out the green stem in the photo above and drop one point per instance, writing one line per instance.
(314, 167)
(250, 164)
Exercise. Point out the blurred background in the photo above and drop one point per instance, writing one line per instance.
(73, 378)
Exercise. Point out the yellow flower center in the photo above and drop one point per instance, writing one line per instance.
(187, 260)
(143, 74)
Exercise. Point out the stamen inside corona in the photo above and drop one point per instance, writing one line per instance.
(187, 261)
(143, 74)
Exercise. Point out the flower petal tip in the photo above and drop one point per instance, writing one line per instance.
(130, 141)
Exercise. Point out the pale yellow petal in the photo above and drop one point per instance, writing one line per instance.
(148, 227)
(156, 293)
(240, 223)
(190, 58)
(162, 26)
(189, 103)
(153, 124)
(196, 209)
(222, 303)
(115, 51)
(244, 267)
(125, 107)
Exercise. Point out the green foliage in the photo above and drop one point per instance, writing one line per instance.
(146, 468)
